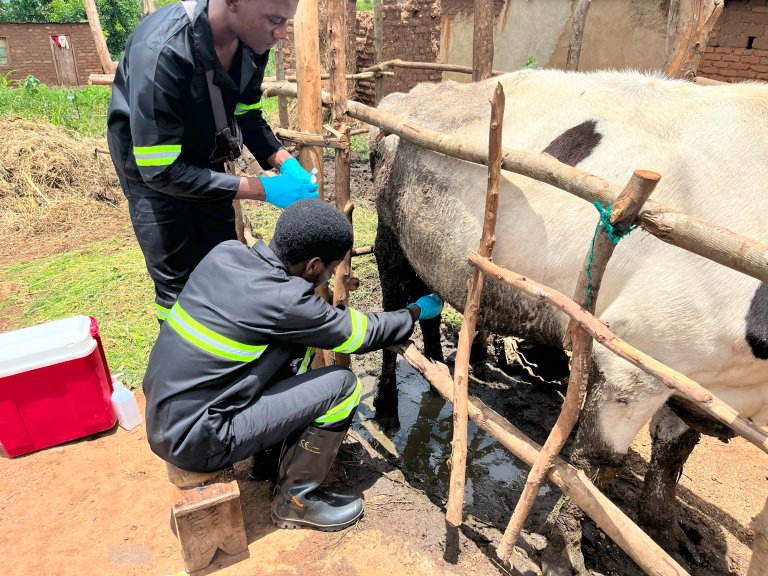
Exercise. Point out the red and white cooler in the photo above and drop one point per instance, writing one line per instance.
(55, 385)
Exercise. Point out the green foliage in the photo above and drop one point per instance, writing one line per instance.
(118, 17)
(364, 5)
(81, 109)
(359, 145)
(531, 63)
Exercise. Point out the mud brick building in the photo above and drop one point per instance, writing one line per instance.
(56, 54)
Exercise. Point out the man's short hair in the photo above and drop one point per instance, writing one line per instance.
(309, 228)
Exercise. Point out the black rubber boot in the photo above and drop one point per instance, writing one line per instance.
(264, 465)
(303, 467)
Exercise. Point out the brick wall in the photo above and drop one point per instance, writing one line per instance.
(365, 89)
(29, 51)
(738, 45)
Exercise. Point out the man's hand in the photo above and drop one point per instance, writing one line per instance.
(291, 167)
(284, 190)
(426, 307)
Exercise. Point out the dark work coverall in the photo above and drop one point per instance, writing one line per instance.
(228, 375)
(161, 135)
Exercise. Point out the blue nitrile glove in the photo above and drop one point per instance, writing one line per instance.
(291, 167)
(285, 190)
(430, 305)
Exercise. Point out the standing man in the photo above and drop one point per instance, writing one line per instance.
(228, 376)
(188, 69)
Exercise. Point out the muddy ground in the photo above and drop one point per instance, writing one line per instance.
(101, 505)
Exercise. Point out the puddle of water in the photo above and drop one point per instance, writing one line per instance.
(495, 477)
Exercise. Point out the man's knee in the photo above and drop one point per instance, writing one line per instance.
(347, 399)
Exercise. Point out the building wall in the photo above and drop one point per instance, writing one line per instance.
(29, 50)
(738, 46)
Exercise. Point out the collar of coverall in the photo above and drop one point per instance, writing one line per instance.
(205, 52)
(262, 250)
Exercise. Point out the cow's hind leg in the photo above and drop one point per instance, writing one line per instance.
(399, 286)
(614, 412)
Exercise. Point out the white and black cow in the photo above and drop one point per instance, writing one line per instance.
(710, 144)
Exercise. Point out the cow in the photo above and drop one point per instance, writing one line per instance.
(709, 322)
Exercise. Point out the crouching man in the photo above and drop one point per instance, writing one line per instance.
(229, 374)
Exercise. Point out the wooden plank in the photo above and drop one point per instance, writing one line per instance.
(188, 500)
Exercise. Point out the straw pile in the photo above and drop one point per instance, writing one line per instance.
(56, 191)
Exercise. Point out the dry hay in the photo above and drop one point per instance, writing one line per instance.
(56, 190)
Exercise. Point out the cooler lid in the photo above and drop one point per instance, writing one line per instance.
(45, 344)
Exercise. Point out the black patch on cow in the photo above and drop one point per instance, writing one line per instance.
(575, 144)
(757, 323)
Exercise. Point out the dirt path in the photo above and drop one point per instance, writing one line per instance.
(101, 506)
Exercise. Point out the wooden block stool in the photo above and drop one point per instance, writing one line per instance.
(207, 515)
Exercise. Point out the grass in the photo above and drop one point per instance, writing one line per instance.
(364, 5)
(82, 110)
(107, 281)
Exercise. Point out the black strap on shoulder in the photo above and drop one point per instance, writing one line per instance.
(217, 101)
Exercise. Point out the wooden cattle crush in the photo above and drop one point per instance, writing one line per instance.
(626, 207)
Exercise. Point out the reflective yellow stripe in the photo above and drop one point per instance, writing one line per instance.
(161, 155)
(206, 339)
(356, 338)
(161, 311)
(305, 363)
(344, 409)
(243, 108)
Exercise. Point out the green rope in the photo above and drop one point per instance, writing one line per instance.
(614, 233)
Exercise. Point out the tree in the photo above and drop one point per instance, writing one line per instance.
(23, 10)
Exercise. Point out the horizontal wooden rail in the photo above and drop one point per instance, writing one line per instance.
(397, 63)
(698, 236)
(679, 383)
(619, 528)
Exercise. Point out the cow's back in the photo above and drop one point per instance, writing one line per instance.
(708, 143)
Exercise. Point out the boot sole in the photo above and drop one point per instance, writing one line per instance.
(294, 524)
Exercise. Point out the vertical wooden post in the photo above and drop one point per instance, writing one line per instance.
(577, 34)
(307, 45)
(337, 33)
(758, 565)
(282, 101)
(689, 25)
(625, 211)
(98, 37)
(482, 43)
(378, 45)
(453, 513)
(149, 7)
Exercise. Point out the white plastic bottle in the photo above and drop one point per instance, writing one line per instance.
(124, 404)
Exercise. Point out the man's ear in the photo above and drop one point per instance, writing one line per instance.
(314, 265)
(233, 5)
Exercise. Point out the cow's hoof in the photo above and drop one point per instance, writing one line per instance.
(388, 423)
(560, 562)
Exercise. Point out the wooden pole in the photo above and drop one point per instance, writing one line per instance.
(378, 45)
(679, 383)
(637, 544)
(577, 34)
(455, 504)
(627, 207)
(307, 43)
(337, 41)
(693, 234)
(307, 139)
(482, 41)
(282, 101)
(149, 7)
(689, 25)
(94, 23)
(758, 565)
(397, 63)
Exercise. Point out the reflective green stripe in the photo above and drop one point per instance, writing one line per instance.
(242, 108)
(355, 340)
(305, 363)
(342, 411)
(162, 312)
(161, 155)
(206, 339)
